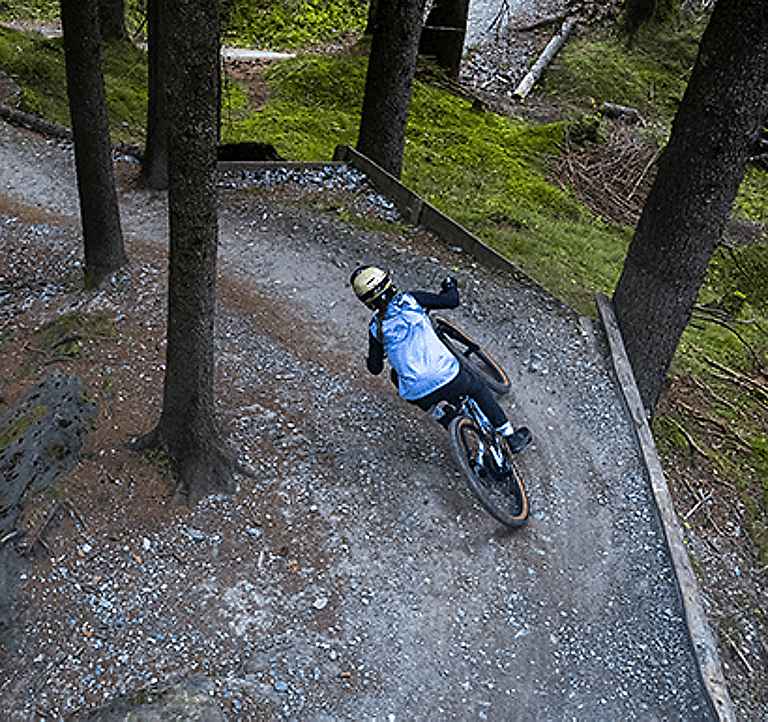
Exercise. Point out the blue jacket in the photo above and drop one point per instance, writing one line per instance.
(421, 360)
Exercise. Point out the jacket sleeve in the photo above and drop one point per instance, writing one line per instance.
(375, 360)
(445, 299)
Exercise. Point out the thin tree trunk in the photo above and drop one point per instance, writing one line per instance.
(99, 212)
(155, 168)
(444, 32)
(187, 429)
(112, 19)
(698, 177)
(388, 83)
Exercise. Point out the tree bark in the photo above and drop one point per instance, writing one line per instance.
(444, 32)
(112, 19)
(155, 167)
(388, 83)
(99, 212)
(373, 9)
(187, 429)
(698, 176)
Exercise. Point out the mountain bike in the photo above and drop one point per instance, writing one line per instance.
(482, 454)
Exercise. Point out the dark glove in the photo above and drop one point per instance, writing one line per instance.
(448, 284)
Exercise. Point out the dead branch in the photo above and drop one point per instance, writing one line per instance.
(726, 325)
(721, 400)
(697, 506)
(728, 374)
(557, 42)
(497, 20)
(739, 653)
(641, 177)
(719, 425)
(691, 441)
(37, 535)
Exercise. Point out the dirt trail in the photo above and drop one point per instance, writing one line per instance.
(373, 588)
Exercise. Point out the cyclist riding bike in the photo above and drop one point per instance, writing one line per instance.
(424, 370)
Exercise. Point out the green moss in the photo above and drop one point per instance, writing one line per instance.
(292, 23)
(66, 334)
(37, 66)
(18, 428)
(752, 199)
(650, 76)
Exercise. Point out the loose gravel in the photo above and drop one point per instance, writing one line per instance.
(353, 577)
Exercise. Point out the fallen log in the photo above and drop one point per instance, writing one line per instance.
(622, 112)
(557, 42)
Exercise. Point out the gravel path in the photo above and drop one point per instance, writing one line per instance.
(409, 601)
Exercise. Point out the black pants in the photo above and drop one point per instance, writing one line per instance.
(464, 384)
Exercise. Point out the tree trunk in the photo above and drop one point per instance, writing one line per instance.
(698, 177)
(443, 34)
(99, 212)
(373, 9)
(187, 429)
(391, 67)
(112, 19)
(155, 168)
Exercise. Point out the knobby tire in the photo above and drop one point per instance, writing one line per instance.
(506, 500)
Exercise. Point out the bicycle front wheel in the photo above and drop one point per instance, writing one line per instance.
(505, 499)
(473, 356)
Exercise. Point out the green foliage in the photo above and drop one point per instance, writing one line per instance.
(292, 23)
(651, 75)
(752, 200)
(37, 66)
(35, 10)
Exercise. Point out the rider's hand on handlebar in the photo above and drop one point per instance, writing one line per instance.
(448, 283)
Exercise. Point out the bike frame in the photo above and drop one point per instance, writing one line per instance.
(470, 408)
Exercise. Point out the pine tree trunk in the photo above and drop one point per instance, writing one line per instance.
(391, 67)
(99, 212)
(370, 26)
(698, 177)
(187, 428)
(112, 19)
(155, 167)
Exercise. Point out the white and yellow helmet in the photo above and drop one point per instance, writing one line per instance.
(370, 284)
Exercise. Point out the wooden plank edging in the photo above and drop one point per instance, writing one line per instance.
(700, 633)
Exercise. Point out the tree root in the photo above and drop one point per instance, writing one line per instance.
(198, 473)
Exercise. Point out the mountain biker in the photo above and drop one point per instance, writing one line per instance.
(424, 370)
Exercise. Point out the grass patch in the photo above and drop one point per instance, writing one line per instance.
(292, 23)
(752, 200)
(651, 75)
(37, 66)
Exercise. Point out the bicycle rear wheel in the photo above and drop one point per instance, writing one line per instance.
(505, 499)
(472, 355)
